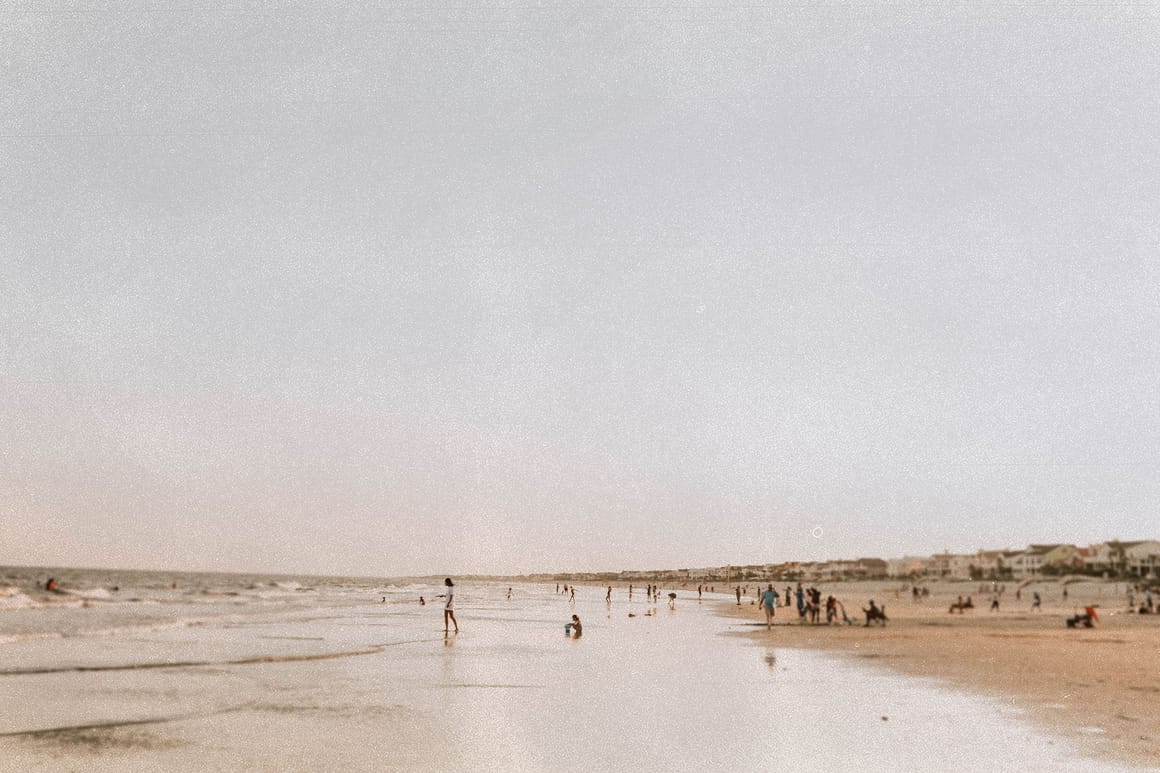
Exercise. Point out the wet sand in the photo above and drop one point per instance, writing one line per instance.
(1101, 684)
(379, 687)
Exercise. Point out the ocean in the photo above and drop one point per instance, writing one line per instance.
(147, 671)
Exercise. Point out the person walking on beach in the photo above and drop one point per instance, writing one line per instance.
(1035, 602)
(738, 595)
(449, 607)
(769, 605)
(831, 609)
(815, 605)
(572, 591)
(608, 596)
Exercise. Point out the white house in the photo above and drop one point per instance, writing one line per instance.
(1142, 559)
(1029, 562)
(951, 565)
(988, 563)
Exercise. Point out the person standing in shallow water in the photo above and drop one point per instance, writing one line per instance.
(449, 607)
(768, 604)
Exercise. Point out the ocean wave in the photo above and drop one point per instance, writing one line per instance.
(14, 598)
(91, 594)
(134, 628)
(128, 629)
(413, 587)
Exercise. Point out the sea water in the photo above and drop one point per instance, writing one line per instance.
(165, 671)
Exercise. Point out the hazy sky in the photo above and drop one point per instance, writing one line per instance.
(386, 288)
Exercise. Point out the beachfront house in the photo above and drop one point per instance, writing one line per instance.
(1028, 562)
(1062, 559)
(1088, 559)
(1142, 559)
(829, 571)
(1103, 557)
(950, 566)
(870, 568)
(907, 566)
(1037, 559)
(987, 565)
(1024, 564)
(1007, 562)
(858, 569)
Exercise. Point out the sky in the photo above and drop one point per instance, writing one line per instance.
(436, 288)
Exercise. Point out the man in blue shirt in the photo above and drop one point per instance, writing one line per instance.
(769, 604)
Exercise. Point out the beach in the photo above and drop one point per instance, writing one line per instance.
(1099, 684)
(146, 672)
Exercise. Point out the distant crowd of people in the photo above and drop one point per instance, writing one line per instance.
(807, 601)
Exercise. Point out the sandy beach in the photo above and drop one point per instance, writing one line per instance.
(1101, 684)
(304, 674)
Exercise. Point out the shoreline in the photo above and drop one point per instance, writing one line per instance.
(1099, 683)
(342, 682)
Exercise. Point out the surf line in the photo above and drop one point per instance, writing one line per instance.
(258, 660)
(51, 731)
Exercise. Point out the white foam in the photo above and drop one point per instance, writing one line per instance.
(14, 598)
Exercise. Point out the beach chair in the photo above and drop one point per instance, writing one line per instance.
(1087, 619)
